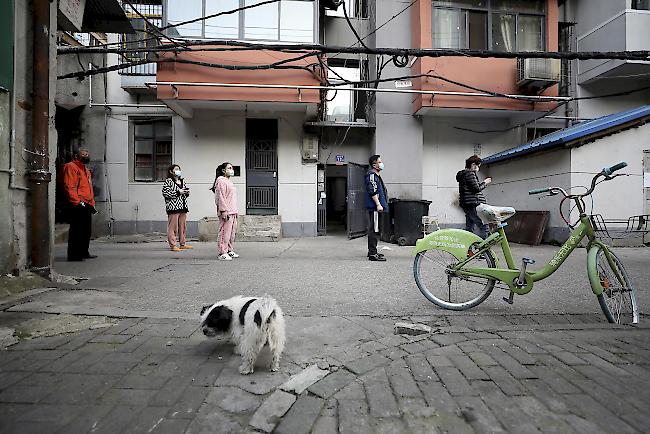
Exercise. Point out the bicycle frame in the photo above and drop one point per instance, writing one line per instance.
(511, 274)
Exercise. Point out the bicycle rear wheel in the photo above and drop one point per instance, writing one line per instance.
(436, 281)
(618, 299)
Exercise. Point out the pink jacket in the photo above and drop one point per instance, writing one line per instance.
(225, 196)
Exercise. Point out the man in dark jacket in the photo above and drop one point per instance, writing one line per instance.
(471, 195)
(376, 202)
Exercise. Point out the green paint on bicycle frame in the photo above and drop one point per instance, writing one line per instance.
(508, 275)
(592, 271)
(454, 241)
(592, 267)
(583, 228)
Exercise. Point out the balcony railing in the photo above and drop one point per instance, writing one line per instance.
(144, 36)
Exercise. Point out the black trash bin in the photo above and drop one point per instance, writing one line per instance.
(386, 230)
(407, 220)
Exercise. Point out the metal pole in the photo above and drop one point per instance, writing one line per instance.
(525, 98)
(39, 173)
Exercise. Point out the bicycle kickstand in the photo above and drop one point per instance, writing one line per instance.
(510, 298)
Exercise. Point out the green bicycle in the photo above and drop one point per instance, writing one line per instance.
(466, 263)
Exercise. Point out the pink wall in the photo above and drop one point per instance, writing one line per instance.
(173, 71)
(497, 75)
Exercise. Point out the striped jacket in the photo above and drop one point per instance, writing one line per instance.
(175, 201)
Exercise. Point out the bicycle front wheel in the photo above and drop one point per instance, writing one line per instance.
(437, 282)
(618, 299)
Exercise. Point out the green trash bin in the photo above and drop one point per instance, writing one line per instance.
(407, 220)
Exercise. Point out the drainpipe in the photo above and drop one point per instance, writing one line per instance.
(39, 174)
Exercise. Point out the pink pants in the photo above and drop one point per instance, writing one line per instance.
(176, 225)
(227, 231)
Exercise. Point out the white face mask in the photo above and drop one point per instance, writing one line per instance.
(230, 172)
(177, 173)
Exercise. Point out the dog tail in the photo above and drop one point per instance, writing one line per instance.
(267, 313)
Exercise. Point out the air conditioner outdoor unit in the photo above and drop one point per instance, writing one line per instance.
(538, 73)
(310, 147)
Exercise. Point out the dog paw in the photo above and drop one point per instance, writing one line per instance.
(245, 370)
(275, 367)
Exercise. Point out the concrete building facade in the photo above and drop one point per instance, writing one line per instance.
(612, 26)
(299, 151)
(418, 136)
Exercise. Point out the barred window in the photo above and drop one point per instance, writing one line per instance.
(152, 148)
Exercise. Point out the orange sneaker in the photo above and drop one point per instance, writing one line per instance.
(175, 249)
(186, 246)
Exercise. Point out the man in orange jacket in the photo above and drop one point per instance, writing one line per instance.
(78, 187)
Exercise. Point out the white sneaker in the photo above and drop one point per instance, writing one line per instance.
(224, 257)
(233, 254)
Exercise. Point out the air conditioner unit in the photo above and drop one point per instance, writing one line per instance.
(538, 73)
(310, 147)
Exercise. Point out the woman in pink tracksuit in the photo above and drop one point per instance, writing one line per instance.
(225, 198)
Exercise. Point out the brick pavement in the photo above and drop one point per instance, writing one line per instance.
(471, 374)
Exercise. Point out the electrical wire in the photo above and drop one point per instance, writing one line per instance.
(356, 35)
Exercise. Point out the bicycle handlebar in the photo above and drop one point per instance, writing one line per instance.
(539, 190)
(607, 171)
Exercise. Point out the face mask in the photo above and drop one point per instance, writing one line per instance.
(381, 166)
(230, 172)
(177, 173)
(84, 160)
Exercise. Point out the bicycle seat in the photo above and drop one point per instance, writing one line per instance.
(494, 214)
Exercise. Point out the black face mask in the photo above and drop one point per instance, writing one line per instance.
(84, 160)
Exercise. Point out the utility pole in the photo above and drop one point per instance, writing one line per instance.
(39, 173)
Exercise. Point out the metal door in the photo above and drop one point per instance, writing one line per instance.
(262, 166)
(357, 214)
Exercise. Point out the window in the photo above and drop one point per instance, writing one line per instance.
(355, 8)
(341, 104)
(152, 149)
(287, 20)
(643, 5)
(502, 25)
(536, 133)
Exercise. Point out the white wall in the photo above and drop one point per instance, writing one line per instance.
(200, 144)
(514, 178)
(444, 154)
(296, 181)
(623, 196)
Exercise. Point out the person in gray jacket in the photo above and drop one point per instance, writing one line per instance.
(470, 190)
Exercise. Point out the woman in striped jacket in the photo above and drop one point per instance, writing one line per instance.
(175, 193)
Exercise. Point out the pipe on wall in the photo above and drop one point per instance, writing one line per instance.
(359, 89)
(39, 173)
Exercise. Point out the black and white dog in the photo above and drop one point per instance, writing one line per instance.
(251, 322)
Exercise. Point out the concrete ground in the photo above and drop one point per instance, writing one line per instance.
(120, 351)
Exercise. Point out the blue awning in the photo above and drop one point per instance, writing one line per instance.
(593, 129)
